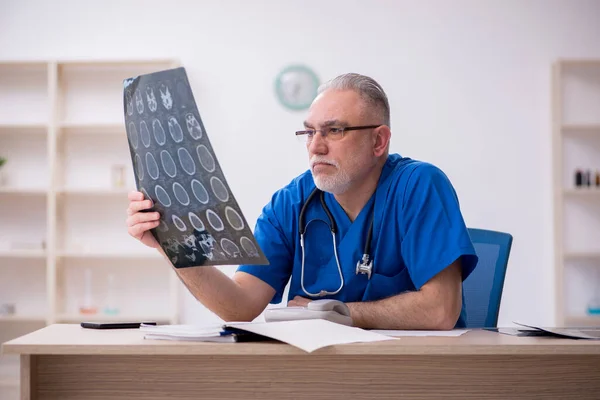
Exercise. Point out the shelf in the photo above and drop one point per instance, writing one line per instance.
(24, 93)
(578, 62)
(93, 91)
(35, 254)
(72, 318)
(23, 129)
(149, 63)
(583, 320)
(23, 191)
(110, 256)
(582, 255)
(583, 129)
(23, 63)
(95, 192)
(93, 129)
(583, 192)
(9, 382)
(23, 318)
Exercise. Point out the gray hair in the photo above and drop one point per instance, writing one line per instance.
(369, 90)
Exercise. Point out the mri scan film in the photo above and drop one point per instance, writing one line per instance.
(175, 166)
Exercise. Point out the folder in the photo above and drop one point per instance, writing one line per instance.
(193, 333)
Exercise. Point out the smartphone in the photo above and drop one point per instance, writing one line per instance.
(114, 325)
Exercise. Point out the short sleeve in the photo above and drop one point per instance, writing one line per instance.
(275, 245)
(434, 233)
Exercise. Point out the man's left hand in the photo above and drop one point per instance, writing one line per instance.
(298, 302)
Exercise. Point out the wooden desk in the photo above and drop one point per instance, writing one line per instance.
(68, 362)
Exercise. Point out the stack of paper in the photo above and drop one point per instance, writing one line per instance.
(308, 335)
(572, 333)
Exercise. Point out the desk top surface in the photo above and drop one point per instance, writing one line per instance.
(72, 339)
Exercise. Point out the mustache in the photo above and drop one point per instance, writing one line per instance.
(322, 160)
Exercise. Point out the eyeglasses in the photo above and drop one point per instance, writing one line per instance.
(331, 133)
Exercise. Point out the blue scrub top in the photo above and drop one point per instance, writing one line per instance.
(418, 230)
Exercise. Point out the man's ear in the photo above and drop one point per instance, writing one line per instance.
(382, 137)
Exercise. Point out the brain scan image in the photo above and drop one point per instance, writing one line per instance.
(175, 166)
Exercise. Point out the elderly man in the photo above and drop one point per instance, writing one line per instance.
(382, 233)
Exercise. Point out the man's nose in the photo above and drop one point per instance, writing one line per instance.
(318, 144)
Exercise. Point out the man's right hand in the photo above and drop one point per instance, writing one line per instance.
(242, 298)
(139, 223)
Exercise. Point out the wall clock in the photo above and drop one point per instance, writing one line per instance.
(296, 87)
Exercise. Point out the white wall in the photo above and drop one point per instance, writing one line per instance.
(468, 82)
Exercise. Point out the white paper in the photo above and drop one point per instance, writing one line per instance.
(311, 334)
(451, 333)
(186, 331)
(184, 338)
(574, 333)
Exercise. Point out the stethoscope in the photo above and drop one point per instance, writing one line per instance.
(363, 266)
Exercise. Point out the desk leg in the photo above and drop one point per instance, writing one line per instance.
(28, 377)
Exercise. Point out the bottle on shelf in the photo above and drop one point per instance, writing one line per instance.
(88, 306)
(111, 307)
(7, 309)
(578, 178)
(118, 176)
(593, 306)
(3, 176)
(588, 178)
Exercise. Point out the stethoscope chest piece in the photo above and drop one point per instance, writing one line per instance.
(364, 266)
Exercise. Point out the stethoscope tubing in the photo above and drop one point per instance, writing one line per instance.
(366, 258)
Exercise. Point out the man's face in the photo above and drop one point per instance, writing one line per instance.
(337, 164)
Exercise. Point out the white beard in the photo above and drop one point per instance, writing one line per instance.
(337, 183)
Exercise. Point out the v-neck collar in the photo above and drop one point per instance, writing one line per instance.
(342, 219)
(339, 215)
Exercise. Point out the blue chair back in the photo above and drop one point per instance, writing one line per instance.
(483, 288)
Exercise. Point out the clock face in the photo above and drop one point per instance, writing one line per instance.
(296, 87)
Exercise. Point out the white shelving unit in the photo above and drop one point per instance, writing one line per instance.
(576, 146)
(62, 217)
(31, 254)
